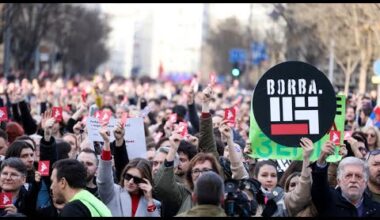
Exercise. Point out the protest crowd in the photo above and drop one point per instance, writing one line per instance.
(107, 146)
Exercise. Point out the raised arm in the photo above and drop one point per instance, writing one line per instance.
(166, 189)
(207, 142)
(320, 191)
(104, 179)
(296, 200)
(235, 153)
(120, 151)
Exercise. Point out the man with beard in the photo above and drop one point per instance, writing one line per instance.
(374, 175)
(186, 152)
(348, 198)
(89, 159)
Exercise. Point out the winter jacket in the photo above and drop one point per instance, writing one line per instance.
(204, 211)
(330, 202)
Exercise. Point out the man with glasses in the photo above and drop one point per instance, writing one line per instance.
(348, 199)
(373, 190)
(175, 195)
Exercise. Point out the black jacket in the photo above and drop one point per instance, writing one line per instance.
(330, 202)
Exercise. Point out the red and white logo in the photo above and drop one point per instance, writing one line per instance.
(3, 114)
(335, 137)
(230, 116)
(5, 199)
(43, 167)
(57, 113)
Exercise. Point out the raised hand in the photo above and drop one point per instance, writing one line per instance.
(207, 95)
(175, 140)
(119, 134)
(105, 134)
(147, 190)
(307, 146)
(225, 130)
(327, 150)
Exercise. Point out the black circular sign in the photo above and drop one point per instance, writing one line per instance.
(293, 100)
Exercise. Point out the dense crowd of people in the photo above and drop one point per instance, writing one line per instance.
(209, 170)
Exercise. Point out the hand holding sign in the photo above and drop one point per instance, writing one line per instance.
(327, 150)
(182, 129)
(57, 113)
(43, 167)
(5, 199)
(175, 140)
(230, 116)
(105, 134)
(119, 133)
(308, 147)
(3, 114)
(225, 130)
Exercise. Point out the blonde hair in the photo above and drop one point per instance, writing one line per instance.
(377, 132)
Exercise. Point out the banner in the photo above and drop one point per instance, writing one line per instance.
(135, 138)
(263, 147)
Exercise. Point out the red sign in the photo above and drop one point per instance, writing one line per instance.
(3, 114)
(105, 116)
(57, 113)
(182, 129)
(84, 96)
(230, 116)
(347, 135)
(335, 137)
(5, 199)
(43, 167)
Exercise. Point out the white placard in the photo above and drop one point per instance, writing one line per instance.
(135, 138)
(111, 128)
(93, 128)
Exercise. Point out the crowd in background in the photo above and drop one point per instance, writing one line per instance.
(208, 172)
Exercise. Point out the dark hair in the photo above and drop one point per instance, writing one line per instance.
(4, 135)
(294, 166)
(188, 149)
(90, 151)
(15, 163)
(180, 110)
(209, 189)
(26, 138)
(73, 171)
(261, 164)
(63, 149)
(143, 165)
(290, 177)
(359, 136)
(162, 140)
(14, 150)
(200, 158)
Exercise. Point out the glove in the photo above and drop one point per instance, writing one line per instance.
(270, 208)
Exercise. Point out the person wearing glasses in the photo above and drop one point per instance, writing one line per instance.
(372, 135)
(132, 197)
(173, 194)
(13, 174)
(373, 186)
(348, 199)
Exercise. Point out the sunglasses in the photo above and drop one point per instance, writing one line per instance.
(136, 180)
(370, 135)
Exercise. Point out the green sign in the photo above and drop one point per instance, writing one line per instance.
(263, 147)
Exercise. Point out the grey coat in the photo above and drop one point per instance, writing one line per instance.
(118, 199)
